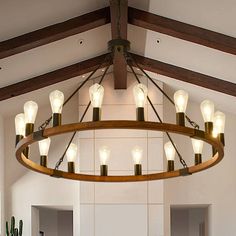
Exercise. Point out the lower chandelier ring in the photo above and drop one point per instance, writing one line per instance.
(119, 124)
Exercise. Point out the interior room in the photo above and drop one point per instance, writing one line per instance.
(117, 118)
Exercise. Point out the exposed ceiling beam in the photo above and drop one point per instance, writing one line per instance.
(89, 65)
(101, 17)
(183, 31)
(54, 32)
(119, 28)
(185, 75)
(51, 78)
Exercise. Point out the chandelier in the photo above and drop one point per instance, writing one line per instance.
(26, 136)
(213, 133)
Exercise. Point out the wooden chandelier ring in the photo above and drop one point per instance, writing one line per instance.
(119, 124)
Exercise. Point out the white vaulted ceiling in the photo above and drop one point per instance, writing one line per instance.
(23, 16)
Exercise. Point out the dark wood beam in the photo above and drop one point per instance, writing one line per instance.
(119, 24)
(51, 78)
(54, 32)
(148, 64)
(183, 31)
(185, 75)
(101, 17)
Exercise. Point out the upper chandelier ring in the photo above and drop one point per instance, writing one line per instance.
(120, 124)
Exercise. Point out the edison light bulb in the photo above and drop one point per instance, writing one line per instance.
(219, 126)
(170, 156)
(30, 110)
(137, 154)
(20, 127)
(219, 122)
(197, 146)
(207, 109)
(140, 92)
(96, 93)
(169, 151)
(20, 124)
(43, 150)
(44, 146)
(104, 153)
(181, 101)
(56, 99)
(71, 153)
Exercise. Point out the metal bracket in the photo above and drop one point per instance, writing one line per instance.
(184, 172)
(38, 135)
(56, 174)
(116, 43)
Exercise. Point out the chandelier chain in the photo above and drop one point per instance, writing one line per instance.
(81, 119)
(182, 161)
(191, 122)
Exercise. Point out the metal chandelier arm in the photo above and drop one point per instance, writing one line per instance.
(47, 122)
(81, 119)
(191, 122)
(182, 161)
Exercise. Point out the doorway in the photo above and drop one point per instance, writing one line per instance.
(52, 221)
(189, 220)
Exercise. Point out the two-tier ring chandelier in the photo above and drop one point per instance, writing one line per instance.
(25, 135)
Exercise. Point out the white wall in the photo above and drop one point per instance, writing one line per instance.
(25, 188)
(121, 208)
(2, 171)
(215, 187)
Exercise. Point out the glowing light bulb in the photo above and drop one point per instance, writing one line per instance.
(219, 122)
(181, 101)
(30, 110)
(169, 151)
(44, 146)
(56, 99)
(137, 153)
(104, 153)
(207, 109)
(140, 92)
(96, 93)
(20, 124)
(71, 153)
(197, 146)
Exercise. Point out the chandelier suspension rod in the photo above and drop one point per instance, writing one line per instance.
(85, 81)
(46, 123)
(182, 161)
(192, 123)
(81, 119)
